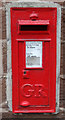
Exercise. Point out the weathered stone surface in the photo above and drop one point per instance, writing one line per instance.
(62, 88)
(4, 55)
(0, 23)
(3, 24)
(0, 90)
(11, 0)
(35, 4)
(3, 89)
(36, 116)
(1, 63)
(0, 3)
(33, 0)
(9, 88)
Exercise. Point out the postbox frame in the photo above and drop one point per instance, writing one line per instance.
(9, 69)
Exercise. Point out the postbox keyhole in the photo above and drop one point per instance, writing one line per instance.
(24, 72)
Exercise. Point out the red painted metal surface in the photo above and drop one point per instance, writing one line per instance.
(30, 22)
(33, 89)
(33, 16)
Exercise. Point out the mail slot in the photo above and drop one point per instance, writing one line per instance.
(30, 25)
(34, 50)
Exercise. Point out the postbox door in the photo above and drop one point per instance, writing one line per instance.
(34, 58)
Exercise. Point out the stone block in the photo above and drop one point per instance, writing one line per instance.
(1, 63)
(4, 52)
(3, 24)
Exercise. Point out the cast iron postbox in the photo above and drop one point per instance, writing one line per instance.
(33, 41)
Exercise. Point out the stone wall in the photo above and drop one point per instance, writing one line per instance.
(3, 53)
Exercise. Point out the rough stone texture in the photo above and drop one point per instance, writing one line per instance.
(4, 52)
(3, 67)
(0, 90)
(3, 89)
(60, 116)
(40, 0)
(1, 64)
(61, 89)
(63, 58)
(3, 24)
(10, 0)
(0, 3)
(9, 89)
(34, 4)
(0, 23)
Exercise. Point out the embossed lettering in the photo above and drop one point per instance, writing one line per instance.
(27, 90)
(36, 90)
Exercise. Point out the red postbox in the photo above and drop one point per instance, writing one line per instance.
(33, 37)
